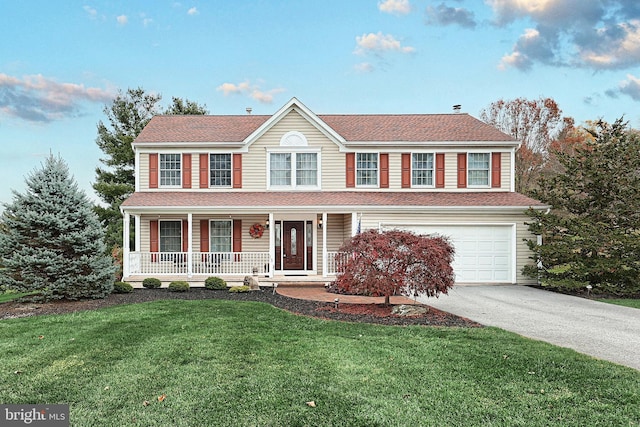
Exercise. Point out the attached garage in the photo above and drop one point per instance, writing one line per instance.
(485, 253)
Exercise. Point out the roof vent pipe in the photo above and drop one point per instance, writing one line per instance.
(249, 110)
(457, 108)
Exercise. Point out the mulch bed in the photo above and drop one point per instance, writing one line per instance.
(366, 313)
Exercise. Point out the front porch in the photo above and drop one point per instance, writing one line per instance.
(188, 246)
(231, 266)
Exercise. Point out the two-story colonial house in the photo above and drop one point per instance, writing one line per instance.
(235, 195)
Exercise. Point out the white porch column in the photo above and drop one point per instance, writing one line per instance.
(137, 230)
(272, 245)
(190, 245)
(325, 257)
(354, 223)
(125, 245)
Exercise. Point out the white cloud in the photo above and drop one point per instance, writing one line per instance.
(363, 67)
(40, 99)
(251, 90)
(615, 51)
(92, 12)
(122, 19)
(601, 34)
(192, 11)
(398, 7)
(631, 87)
(379, 43)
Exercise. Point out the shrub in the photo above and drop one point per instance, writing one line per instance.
(151, 283)
(178, 286)
(395, 263)
(238, 289)
(122, 288)
(215, 283)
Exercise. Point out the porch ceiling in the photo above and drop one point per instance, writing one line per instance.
(325, 201)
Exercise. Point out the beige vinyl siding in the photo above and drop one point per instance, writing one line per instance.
(505, 179)
(395, 171)
(195, 171)
(254, 163)
(373, 220)
(143, 177)
(337, 224)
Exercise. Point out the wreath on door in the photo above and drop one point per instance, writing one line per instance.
(256, 231)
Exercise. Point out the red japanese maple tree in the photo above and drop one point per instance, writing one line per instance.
(395, 263)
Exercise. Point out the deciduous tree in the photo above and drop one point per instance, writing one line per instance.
(395, 263)
(537, 124)
(592, 235)
(51, 241)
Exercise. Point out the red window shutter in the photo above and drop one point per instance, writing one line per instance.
(204, 170)
(462, 170)
(185, 235)
(351, 170)
(237, 238)
(496, 170)
(186, 170)
(153, 170)
(406, 170)
(153, 239)
(237, 170)
(384, 170)
(204, 235)
(237, 235)
(439, 170)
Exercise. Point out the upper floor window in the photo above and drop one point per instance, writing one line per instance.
(170, 170)
(220, 170)
(478, 169)
(367, 169)
(422, 169)
(293, 169)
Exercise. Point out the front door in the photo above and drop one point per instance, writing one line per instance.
(293, 245)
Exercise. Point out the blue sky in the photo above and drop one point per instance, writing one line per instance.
(62, 62)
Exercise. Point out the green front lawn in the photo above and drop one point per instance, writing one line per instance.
(634, 303)
(230, 363)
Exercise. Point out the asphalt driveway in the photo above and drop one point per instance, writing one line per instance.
(604, 331)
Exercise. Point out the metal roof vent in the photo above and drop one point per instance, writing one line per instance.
(249, 110)
(457, 108)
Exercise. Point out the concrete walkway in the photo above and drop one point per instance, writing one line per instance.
(602, 330)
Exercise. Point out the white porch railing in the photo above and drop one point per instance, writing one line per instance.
(202, 263)
(335, 261)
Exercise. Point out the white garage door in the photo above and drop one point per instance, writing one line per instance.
(484, 253)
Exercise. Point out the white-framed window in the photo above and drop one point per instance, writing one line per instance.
(170, 170)
(220, 170)
(367, 169)
(170, 236)
(294, 169)
(422, 169)
(478, 169)
(306, 169)
(220, 235)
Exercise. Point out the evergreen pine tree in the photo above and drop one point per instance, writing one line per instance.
(126, 117)
(51, 241)
(592, 236)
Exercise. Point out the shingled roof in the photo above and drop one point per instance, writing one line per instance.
(351, 127)
(328, 199)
